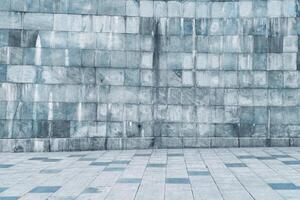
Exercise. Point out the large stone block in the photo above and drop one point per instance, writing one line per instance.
(21, 73)
(113, 7)
(83, 6)
(38, 21)
(60, 129)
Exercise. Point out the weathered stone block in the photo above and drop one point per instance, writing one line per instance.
(174, 9)
(112, 7)
(132, 8)
(261, 44)
(114, 129)
(63, 22)
(38, 21)
(275, 79)
(60, 129)
(146, 8)
(274, 8)
(83, 6)
(3, 72)
(21, 74)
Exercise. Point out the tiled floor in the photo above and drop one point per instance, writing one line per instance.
(231, 174)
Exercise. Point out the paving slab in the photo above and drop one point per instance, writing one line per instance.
(158, 174)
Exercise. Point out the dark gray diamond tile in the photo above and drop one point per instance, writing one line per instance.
(45, 189)
(120, 162)
(245, 157)
(38, 158)
(76, 155)
(142, 154)
(235, 165)
(198, 173)
(50, 171)
(52, 160)
(265, 158)
(156, 165)
(87, 159)
(177, 181)
(6, 165)
(175, 154)
(281, 156)
(9, 198)
(91, 190)
(2, 189)
(114, 169)
(284, 186)
(100, 163)
(292, 162)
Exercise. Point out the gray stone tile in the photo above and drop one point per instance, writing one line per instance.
(45, 189)
(246, 157)
(3, 166)
(91, 190)
(229, 165)
(2, 189)
(198, 173)
(114, 169)
(38, 158)
(87, 159)
(142, 154)
(292, 162)
(120, 162)
(50, 171)
(265, 158)
(130, 180)
(77, 155)
(177, 181)
(175, 154)
(280, 156)
(51, 160)
(156, 165)
(100, 163)
(9, 198)
(284, 186)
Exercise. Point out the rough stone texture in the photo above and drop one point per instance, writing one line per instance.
(123, 74)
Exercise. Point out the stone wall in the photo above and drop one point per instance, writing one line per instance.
(124, 74)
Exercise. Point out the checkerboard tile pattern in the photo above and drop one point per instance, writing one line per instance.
(160, 174)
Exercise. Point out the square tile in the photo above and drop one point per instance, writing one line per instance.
(100, 163)
(156, 165)
(281, 156)
(38, 158)
(198, 173)
(91, 190)
(177, 181)
(175, 154)
(114, 169)
(2, 189)
(5, 165)
(284, 186)
(87, 159)
(235, 165)
(45, 189)
(130, 180)
(120, 162)
(292, 162)
(77, 155)
(9, 198)
(245, 157)
(50, 171)
(52, 160)
(142, 154)
(265, 158)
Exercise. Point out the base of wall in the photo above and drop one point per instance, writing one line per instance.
(90, 144)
